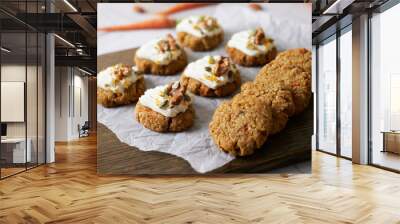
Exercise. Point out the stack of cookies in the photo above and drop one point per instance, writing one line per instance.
(281, 89)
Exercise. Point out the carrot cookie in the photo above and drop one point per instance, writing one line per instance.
(165, 108)
(200, 33)
(279, 99)
(242, 125)
(161, 56)
(292, 77)
(211, 76)
(251, 48)
(298, 56)
(119, 85)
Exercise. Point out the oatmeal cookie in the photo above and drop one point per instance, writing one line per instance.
(119, 85)
(200, 33)
(299, 57)
(279, 99)
(292, 77)
(251, 48)
(242, 125)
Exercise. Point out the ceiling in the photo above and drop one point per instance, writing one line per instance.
(74, 22)
(331, 15)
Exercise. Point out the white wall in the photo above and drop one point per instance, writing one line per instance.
(61, 103)
(70, 83)
(82, 83)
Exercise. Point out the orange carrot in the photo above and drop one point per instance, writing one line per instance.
(138, 9)
(154, 23)
(255, 6)
(182, 7)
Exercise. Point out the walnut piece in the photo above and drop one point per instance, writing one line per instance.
(207, 23)
(259, 36)
(222, 67)
(121, 70)
(176, 92)
(172, 42)
(167, 45)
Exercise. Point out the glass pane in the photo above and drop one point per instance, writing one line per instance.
(314, 72)
(13, 87)
(327, 97)
(345, 94)
(385, 114)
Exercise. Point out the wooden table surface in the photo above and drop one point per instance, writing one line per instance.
(290, 146)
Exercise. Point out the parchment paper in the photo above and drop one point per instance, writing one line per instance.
(195, 145)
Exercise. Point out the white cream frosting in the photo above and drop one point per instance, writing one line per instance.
(154, 99)
(240, 42)
(105, 79)
(197, 70)
(151, 52)
(188, 25)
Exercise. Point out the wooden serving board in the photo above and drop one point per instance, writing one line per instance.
(291, 146)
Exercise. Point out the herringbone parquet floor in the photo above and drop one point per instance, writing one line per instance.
(69, 191)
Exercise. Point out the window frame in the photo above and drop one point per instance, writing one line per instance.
(381, 9)
(334, 37)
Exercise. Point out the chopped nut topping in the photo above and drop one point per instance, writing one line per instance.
(259, 36)
(176, 99)
(120, 71)
(172, 43)
(206, 23)
(175, 85)
(176, 92)
(162, 46)
(222, 67)
(230, 75)
(168, 89)
(167, 45)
